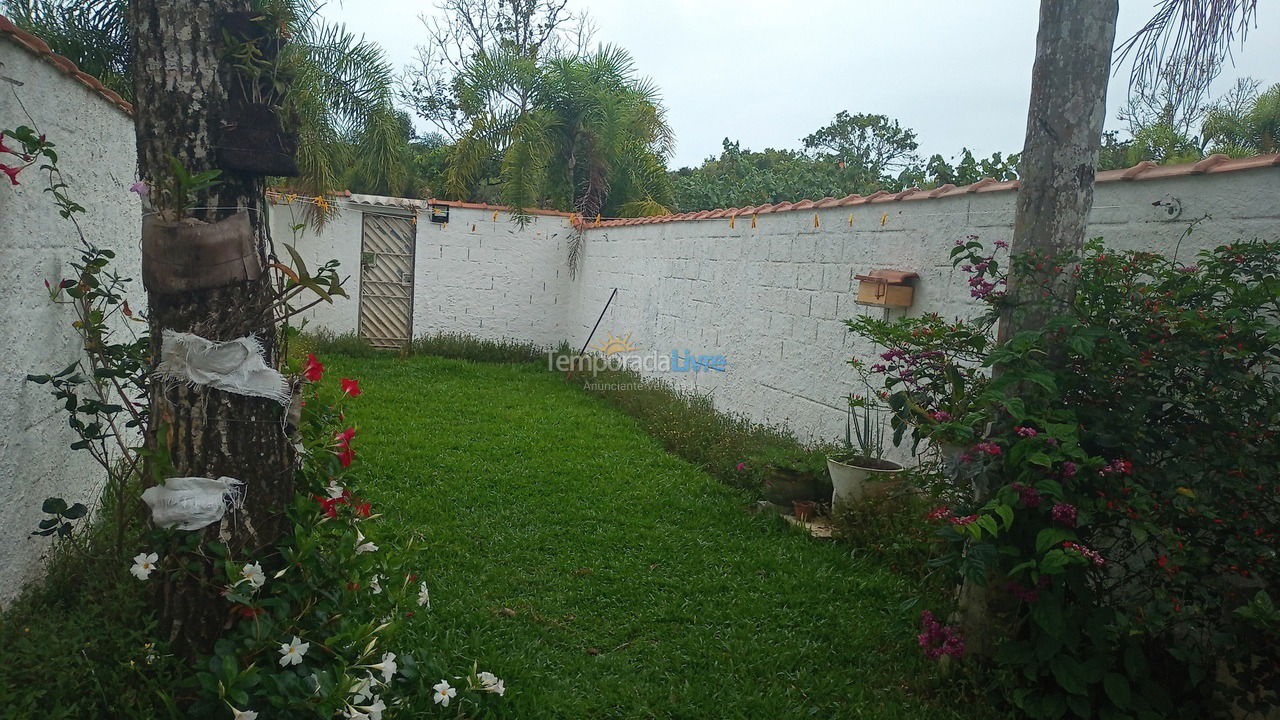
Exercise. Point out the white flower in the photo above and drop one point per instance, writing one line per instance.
(291, 652)
(424, 597)
(353, 714)
(443, 693)
(243, 714)
(360, 691)
(373, 584)
(363, 547)
(144, 564)
(388, 666)
(374, 711)
(334, 490)
(491, 683)
(253, 573)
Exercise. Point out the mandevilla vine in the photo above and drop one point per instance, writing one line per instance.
(1130, 455)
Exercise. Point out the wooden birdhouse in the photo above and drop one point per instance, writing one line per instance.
(886, 288)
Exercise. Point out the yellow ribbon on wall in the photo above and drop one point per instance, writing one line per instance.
(753, 220)
(731, 219)
(815, 220)
(883, 219)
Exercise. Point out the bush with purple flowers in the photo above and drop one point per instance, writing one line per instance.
(1125, 461)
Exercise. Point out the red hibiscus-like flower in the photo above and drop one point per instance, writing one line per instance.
(346, 456)
(330, 505)
(363, 509)
(12, 172)
(312, 369)
(351, 387)
(344, 437)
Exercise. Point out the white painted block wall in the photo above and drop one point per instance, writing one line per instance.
(479, 274)
(773, 299)
(95, 144)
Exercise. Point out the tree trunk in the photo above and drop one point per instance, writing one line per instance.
(1060, 154)
(1059, 161)
(180, 83)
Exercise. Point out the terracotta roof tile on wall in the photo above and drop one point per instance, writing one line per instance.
(1144, 170)
(41, 49)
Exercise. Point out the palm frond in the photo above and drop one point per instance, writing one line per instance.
(1189, 39)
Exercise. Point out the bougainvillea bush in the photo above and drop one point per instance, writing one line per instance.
(1128, 473)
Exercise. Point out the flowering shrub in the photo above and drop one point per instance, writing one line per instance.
(314, 623)
(1128, 487)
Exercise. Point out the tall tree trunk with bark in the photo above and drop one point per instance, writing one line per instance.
(1060, 154)
(1059, 161)
(180, 80)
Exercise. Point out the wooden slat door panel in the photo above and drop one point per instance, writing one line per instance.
(386, 279)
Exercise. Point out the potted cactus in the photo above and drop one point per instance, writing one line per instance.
(860, 470)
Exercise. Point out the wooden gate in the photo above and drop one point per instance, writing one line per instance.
(386, 280)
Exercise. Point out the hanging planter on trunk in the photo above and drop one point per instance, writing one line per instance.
(189, 255)
(253, 142)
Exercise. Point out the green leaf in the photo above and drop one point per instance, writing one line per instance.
(1069, 674)
(75, 512)
(54, 506)
(1117, 687)
(1052, 537)
(1006, 514)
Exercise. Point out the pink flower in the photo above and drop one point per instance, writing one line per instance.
(940, 415)
(141, 188)
(741, 466)
(1089, 554)
(1001, 244)
(1028, 496)
(989, 448)
(1064, 514)
(12, 172)
(966, 520)
(937, 639)
(1025, 432)
(1068, 469)
(938, 513)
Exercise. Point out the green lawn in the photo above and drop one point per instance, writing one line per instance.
(640, 586)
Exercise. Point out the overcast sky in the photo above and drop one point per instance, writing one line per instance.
(769, 73)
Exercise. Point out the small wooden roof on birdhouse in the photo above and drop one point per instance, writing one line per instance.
(889, 277)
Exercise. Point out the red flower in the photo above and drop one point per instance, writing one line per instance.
(344, 437)
(938, 513)
(346, 456)
(312, 369)
(363, 509)
(966, 520)
(351, 387)
(12, 172)
(248, 611)
(330, 505)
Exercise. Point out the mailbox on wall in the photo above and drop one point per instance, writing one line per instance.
(886, 288)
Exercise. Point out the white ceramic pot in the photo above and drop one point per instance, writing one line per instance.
(852, 482)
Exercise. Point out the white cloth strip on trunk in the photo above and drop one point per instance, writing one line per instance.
(192, 503)
(238, 366)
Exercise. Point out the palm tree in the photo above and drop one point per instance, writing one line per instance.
(339, 101)
(592, 139)
(1245, 123)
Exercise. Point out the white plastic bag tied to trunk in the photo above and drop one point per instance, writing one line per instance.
(191, 503)
(237, 366)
